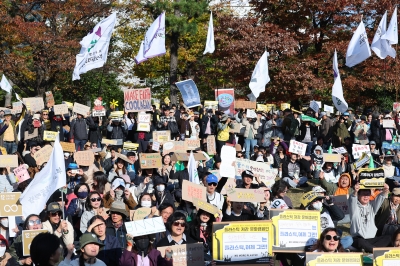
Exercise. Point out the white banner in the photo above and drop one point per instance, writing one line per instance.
(392, 34)
(5, 85)
(210, 45)
(263, 170)
(358, 49)
(380, 46)
(337, 89)
(260, 76)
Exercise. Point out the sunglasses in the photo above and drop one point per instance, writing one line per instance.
(95, 199)
(54, 214)
(2, 243)
(33, 222)
(212, 184)
(329, 237)
(183, 224)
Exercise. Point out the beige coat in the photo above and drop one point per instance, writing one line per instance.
(254, 126)
(66, 238)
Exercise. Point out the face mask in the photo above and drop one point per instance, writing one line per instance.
(4, 223)
(160, 188)
(317, 205)
(82, 195)
(119, 193)
(2, 251)
(146, 203)
(142, 245)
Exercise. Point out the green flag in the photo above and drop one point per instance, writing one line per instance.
(371, 163)
(309, 118)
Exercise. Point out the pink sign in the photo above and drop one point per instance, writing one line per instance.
(226, 100)
(21, 172)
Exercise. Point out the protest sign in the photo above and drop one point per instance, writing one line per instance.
(390, 146)
(371, 178)
(334, 258)
(230, 183)
(162, 136)
(143, 118)
(246, 195)
(228, 157)
(116, 114)
(34, 134)
(396, 106)
(328, 108)
(27, 238)
(8, 160)
(191, 144)
(187, 254)
(199, 156)
(81, 109)
(143, 127)
(285, 106)
(123, 157)
(340, 150)
(109, 141)
(251, 113)
(364, 159)
(49, 135)
(69, 104)
(389, 256)
(244, 243)
(150, 160)
(67, 146)
(35, 104)
(333, 158)
(84, 158)
(211, 105)
(388, 123)
(226, 100)
(145, 227)
(342, 202)
(314, 106)
(9, 204)
(358, 150)
(245, 105)
(49, 99)
(262, 107)
(141, 213)
(180, 156)
(295, 229)
(263, 170)
(174, 146)
(60, 109)
(297, 147)
(17, 107)
(21, 172)
(43, 155)
(99, 112)
(137, 100)
(190, 93)
(130, 146)
(271, 107)
(156, 146)
(236, 128)
(211, 149)
(204, 205)
(191, 190)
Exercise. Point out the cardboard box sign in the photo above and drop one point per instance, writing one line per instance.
(43, 155)
(60, 109)
(49, 135)
(130, 146)
(123, 157)
(67, 146)
(245, 104)
(31, 136)
(84, 158)
(206, 207)
(162, 136)
(192, 144)
(150, 160)
(112, 141)
(178, 156)
(333, 158)
(9, 204)
(211, 148)
(81, 109)
(246, 195)
(191, 190)
(8, 160)
(142, 213)
(35, 103)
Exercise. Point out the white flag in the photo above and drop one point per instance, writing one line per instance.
(380, 46)
(337, 89)
(48, 180)
(5, 85)
(94, 48)
(358, 49)
(154, 40)
(210, 45)
(391, 34)
(260, 76)
(18, 97)
(192, 168)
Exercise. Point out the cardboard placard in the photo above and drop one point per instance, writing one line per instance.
(335, 258)
(388, 123)
(99, 112)
(246, 195)
(9, 204)
(187, 254)
(142, 212)
(162, 136)
(137, 100)
(156, 146)
(109, 141)
(236, 128)
(295, 229)
(230, 183)
(211, 148)
(21, 172)
(245, 105)
(43, 155)
(297, 147)
(60, 109)
(34, 104)
(27, 238)
(199, 156)
(8, 160)
(49, 135)
(204, 205)
(242, 243)
(371, 178)
(123, 157)
(191, 190)
(180, 156)
(263, 170)
(130, 146)
(389, 256)
(174, 146)
(81, 109)
(150, 160)
(358, 150)
(17, 107)
(49, 99)
(285, 106)
(67, 146)
(342, 202)
(333, 158)
(145, 227)
(34, 134)
(192, 144)
(211, 105)
(84, 158)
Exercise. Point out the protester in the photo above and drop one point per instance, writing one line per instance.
(45, 250)
(5, 258)
(115, 224)
(387, 219)
(93, 206)
(329, 241)
(176, 225)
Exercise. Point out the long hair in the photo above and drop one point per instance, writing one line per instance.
(175, 217)
(197, 221)
(87, 203)
(124, 172)
(278, 187)
(101, 180)
(319, 245)
(25, 225)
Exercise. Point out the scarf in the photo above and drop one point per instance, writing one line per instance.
(203, 234)
(117, 225)
(393, 215)
(388, 135)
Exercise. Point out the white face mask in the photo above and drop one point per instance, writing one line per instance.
(2, 251)
(317, 205)
(146, 203)
(4, 222)
(160, 188)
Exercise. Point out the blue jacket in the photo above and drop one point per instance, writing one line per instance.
(111, 252)
(119, 234)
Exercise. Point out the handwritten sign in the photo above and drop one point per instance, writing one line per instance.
(67, 146)
(8, 160)
(99, 112)
(211, 149)
(145, 227)
(297, 147)
(342, 202)
(150, 160)
(142, 213)
(387, 123)
(245, 105)
(17, 107)
(386, 256)
(43, 155)
(84, 158)
(192, 144)
(49, 98)
(262, 107)
(35, 103)
(250, 113)
(328, 108)
(285, 106)
(156, 146)
(123, 157)
(34, 134)
(49, 135)
(81, 109)
(191, 190)
(9, 204)
(173, 146)
(246, 195)
(335, 258)
(130, 146)
(21, 172)
(137, 100)
(144, 118)
(60, 109)
(263, 170)
(162, 136)
(358, 150)
(204, 205)
(109, 141)
(333, 158)
(183, 255)
(27, 238)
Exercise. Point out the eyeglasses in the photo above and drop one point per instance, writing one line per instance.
(33, 222)
(177, 223)
(95, 199)
(54, 214)
(335, 238)
(212, 184)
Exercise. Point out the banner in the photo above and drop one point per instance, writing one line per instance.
(226, 100)
(145, 227)
(245, 243)
(210, 44)
(334, 258)
(190, 93)
(9, 204)
(386, 256)
(184, 255)
(260, 76)
(371, 178)
(358, 49)
(263, 170)
(137, 100)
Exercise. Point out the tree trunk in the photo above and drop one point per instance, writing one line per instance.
(7, 98)
(173, 68)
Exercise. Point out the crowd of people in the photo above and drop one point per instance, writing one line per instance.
(86, 219)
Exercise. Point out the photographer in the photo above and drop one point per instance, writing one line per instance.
(250, 133)
(118, 129)
(223, 131)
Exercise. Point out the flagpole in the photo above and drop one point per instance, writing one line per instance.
(216, 81)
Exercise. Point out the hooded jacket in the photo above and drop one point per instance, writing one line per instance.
(318, 159)
(119, 234)
(332, 188)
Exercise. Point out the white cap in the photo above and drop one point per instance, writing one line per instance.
(279, 204)
(318, 189)
(117, 183)
(66, 154)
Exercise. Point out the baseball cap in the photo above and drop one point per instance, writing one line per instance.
(247, 173)
(323, 113)
(53, 207)
(396, 191)
(318, 189)
(279, 204)
(89, 238)
(7, 112)
(346, 114)
(72, 166)
(372, 142)
(211, 178)
(309, 197)
(118, 182)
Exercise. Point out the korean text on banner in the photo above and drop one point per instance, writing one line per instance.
(84, 158)
(388, 256)
(263, 170)
(191, 190)
(335, 258)
(145, 227)
(137, 100)
(297, 147)
(183, 255)
(9, 204)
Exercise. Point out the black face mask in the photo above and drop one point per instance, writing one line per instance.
(142, 245)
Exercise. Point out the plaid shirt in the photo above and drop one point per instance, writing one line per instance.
(164, 119)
